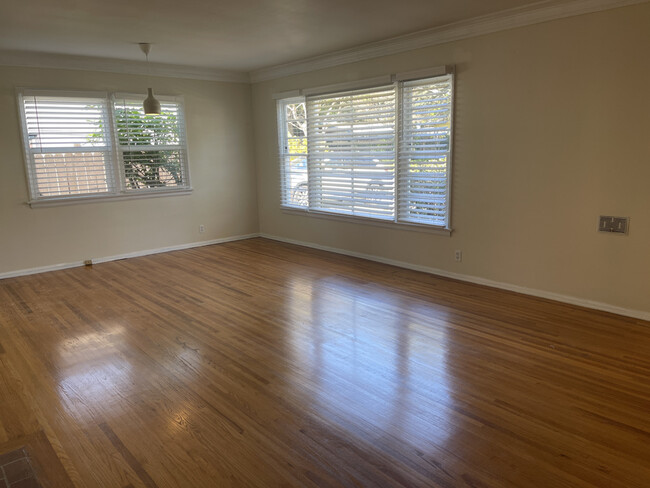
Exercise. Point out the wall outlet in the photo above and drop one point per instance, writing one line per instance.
(458, 255)
(88, 262)
(201, 229)
(614, 225)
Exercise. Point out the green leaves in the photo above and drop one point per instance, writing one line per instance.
(136, 129)
(150, 146)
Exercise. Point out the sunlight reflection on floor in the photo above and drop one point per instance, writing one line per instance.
(86, 386)
(360, 368)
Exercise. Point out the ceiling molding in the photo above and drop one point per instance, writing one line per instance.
(64, 61)
(487, 24)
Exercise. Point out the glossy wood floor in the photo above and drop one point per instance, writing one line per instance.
(260, 364)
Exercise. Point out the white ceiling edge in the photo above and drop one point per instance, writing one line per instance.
(487, 24)
(31, 59)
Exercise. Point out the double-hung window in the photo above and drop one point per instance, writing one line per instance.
(380, 153)
(84, 145)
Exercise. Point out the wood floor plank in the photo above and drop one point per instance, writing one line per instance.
(259, 364)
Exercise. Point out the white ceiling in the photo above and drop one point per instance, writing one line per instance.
(240, 35)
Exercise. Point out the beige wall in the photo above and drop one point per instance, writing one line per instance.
(552, 130)
(552, 125)
(219, 125)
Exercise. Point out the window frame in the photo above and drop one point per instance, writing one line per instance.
(401, 149)
(117, 189)
(283, 142)
(397, 80)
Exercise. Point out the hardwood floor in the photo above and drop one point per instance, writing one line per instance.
(261, 364)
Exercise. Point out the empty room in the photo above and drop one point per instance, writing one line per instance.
(314, 244)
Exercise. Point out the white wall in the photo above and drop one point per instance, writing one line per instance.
(219, 130)
(552, 130)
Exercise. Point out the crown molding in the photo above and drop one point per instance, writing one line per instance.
(32, 59)
(487, 24)
(507, 19)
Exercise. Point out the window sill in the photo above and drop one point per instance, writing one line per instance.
(429, 229)
(59, 201)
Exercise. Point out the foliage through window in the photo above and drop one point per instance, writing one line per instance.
(150, 147)
(93, 145)
(382, 153)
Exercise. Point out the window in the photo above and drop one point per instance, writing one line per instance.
(69, 151)
(293, 144)
(91, 145)
(151, 148)
(352, 152)
(382, 153)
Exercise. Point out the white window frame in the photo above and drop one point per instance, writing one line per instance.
(117, 189)
(284, 145)
(397, 80)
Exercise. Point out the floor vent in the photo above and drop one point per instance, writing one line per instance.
(16, 470)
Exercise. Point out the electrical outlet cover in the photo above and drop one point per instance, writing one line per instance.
(614, 225)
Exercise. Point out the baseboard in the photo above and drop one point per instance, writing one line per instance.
(105, 259)
(605, 307)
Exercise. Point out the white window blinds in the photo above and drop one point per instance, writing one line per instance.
(351, 147)
(380, 153)
(81, 145)
(67, 144)
(292, 127)
(424, 150)
(151, 148)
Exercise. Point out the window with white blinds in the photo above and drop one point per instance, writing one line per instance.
(425, 151)
(351, 152)
(68, 146)
(292, 133)
(382, 153)
(88, 145)
(151, 148)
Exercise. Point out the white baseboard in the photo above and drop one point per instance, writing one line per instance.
(105, 259)
(637, 314)
(605, 307)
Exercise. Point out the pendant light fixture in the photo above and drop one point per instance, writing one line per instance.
(150, 105)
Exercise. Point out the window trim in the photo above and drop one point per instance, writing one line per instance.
(357, 219)
(302, 95)
(116, 169)
(283, 142)
(103, 197)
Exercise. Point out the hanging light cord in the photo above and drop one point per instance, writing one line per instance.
(151, 106)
